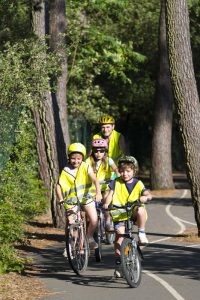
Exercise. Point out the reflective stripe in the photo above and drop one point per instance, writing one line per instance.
(117, 212)
(72, 190)
(79, 187)
(105, 181)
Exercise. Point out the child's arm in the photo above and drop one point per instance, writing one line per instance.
(97, 185)
(108, 199)
(146, 195)
(115, 169)
(113, 166)
(59, 193)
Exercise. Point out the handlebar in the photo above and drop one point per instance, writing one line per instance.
(129, 206)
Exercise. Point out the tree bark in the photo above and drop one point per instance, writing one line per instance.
(161, 171)
(45, 122)
(57, 28)
(185, 93)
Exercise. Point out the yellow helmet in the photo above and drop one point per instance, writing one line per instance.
(107, 120)
(77, 147)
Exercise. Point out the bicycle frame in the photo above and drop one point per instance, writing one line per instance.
(130, 250)
(76, 242)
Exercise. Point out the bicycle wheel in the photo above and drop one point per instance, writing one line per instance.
(98, 238)
(130, 262)
(77, 248)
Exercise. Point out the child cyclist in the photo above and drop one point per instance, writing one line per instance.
(104, 168)
(122, 190)
(74, 184)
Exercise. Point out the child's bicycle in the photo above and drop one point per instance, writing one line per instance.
(101, 235)
(77, 245)
(131, 254)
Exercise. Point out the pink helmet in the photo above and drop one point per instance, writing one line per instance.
(98, 143)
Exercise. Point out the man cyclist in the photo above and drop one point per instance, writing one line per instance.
(115, 140)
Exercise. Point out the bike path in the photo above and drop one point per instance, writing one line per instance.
(170, 269)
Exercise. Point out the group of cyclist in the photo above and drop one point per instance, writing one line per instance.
(107, 175)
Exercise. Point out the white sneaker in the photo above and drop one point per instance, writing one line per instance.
(65, 252)
(93, 245)
(118, 273)
(142, 238)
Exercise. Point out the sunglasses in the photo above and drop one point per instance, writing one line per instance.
(98, 150)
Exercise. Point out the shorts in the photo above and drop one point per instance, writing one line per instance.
(83, 202)
(118, 224)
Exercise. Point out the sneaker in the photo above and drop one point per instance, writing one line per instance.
(93, 245)
(118, 270)
(65, 252)
(118, 273)
(142, 238)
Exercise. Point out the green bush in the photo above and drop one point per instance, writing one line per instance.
(22, 193)
(9, 259)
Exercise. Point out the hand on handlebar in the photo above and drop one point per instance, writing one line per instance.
(60, 202)
(105, 206)
(98, 197)
(144, 199)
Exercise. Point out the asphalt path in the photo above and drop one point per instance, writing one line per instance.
(171, 268)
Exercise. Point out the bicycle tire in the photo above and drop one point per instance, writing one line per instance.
(131, 263)
(77, 248)
(98, 238)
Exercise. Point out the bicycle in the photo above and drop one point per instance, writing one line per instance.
(101, 234)
(77, 244)
(131, 254)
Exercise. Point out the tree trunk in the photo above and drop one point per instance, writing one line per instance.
(57, 28)
(45, 127)
(161, 172)
(185, 93)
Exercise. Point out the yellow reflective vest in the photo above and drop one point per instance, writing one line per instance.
(76, 188)
(121, 196)
(114, 150)
(104, 175)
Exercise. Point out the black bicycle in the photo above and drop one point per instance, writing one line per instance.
(131, 254)
(77, 244)
(99, 233)
(102, 235)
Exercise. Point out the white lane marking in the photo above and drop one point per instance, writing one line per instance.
(160, 240)
(166, 285)
(170, 289)
(176, 219)
(181, 225)
(187, 222)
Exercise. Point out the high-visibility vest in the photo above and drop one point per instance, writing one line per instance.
(121, 196)
(76, 188)
(104, 174)
(114, 150)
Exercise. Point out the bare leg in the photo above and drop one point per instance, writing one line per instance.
(92, 216)
(119, 239)
(141, 217)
